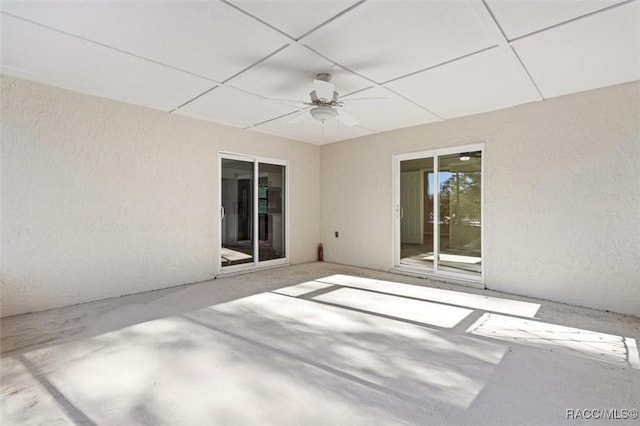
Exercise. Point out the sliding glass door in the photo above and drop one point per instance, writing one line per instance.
(460, 223)
(438, 212)
(252, 211)
(271, 187)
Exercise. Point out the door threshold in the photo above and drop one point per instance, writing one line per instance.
(418, 273)
(233, 272)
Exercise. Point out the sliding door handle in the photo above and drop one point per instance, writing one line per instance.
(222, 212)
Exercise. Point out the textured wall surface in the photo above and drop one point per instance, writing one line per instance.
(102, 198)
(562, 196)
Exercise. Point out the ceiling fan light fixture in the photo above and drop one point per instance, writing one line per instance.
(323, 113)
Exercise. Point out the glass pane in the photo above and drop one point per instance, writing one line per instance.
(416, 212)
(237, 201)
(271, 211)
(460, 214)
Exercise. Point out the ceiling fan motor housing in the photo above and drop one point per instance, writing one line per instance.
(332, 102)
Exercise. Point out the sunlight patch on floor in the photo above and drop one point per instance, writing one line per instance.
(633, 356)
(352, 353)
(233, 255)
(301, 289)
(458, 298)
(594, 345)
(281, 353)
(172, 371)
(428, 313)
(406, 359)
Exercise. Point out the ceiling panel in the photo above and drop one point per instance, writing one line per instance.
(234, 107)
(597, 51)
(517, 18)
(294, 18)
(289, 74)
(442, 55)
(37, 53)
(189, 35)
(312, 131)
(382, 40)
(478, 83)
(391, 112)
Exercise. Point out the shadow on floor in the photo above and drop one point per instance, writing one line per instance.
(315, 344)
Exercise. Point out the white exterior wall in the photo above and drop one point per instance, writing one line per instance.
(562, 196)
(102, 198)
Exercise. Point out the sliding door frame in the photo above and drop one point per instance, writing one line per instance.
(396, 212)
(257, 263)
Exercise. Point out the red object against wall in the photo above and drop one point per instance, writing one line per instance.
(320, 253)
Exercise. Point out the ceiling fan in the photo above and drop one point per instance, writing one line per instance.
(466, 156)
(324, 103)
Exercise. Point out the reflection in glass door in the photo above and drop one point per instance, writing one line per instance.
(237, 216)
(252, 211)
(271, 211)
(416, 213)
(439, 212)
(460, 221)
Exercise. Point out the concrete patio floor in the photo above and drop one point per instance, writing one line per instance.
(321, 344)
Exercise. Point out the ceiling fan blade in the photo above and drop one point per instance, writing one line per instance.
(290, 102)
(297, 118)
(324, 89)
(361, 99)
(347, 119)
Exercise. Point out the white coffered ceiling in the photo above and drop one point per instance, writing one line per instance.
(422, 61)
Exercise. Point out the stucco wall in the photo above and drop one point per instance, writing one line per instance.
(562, 196)
(102, 198)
